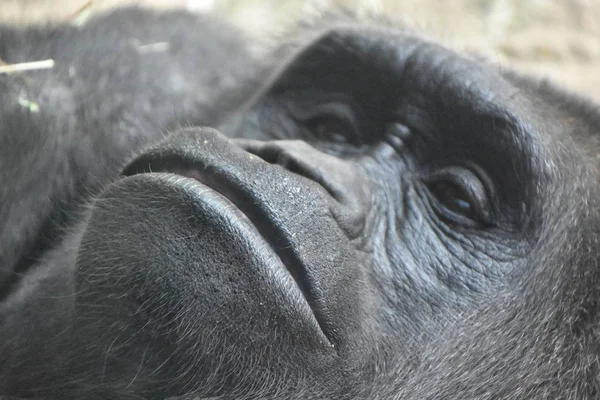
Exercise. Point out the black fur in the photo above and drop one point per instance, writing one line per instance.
(372, 216)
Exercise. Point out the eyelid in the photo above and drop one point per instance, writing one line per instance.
(472, 183)
(336, 109)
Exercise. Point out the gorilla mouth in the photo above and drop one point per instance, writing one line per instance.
(247, 204)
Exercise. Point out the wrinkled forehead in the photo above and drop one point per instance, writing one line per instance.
(387, 67)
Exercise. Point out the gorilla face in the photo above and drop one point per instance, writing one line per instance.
(381, 218)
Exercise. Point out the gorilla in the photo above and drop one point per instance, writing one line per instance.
(357, 213)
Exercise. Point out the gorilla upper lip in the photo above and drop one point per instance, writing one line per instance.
(247, 205)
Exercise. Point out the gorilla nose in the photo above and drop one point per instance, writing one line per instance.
(270, 174)
(342, 179)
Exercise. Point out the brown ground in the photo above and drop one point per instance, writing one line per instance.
(555, 38)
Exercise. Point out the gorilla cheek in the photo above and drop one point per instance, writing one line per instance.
(168, 257)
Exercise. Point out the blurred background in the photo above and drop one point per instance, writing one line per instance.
(559, 39)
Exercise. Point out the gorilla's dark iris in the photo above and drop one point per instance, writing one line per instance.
(369, 216)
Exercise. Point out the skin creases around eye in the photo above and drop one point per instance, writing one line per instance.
(397, 135)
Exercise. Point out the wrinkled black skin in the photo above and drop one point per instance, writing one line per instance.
(145, 256)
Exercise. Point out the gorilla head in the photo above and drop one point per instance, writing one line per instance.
(372, 216)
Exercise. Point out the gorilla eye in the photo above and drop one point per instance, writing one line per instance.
(333, 121)
(460, 196)
(332, 128)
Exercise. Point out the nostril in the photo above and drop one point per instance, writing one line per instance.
(271, 153)
(294, 161)
(266, 153)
